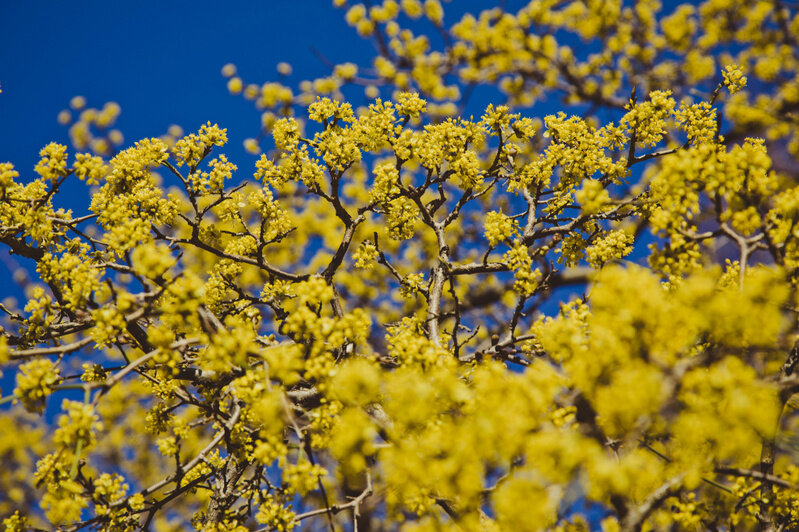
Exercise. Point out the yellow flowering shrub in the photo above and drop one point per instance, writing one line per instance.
(409, 318)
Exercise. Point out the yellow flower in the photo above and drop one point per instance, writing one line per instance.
(734, 78)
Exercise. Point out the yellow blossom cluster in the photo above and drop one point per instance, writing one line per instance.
(93, 128)
(421, 319)
(499, 227)
(36, 380)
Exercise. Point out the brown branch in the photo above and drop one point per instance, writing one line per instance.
(277, 272)
(336, 508)
(225, 490)
(636, 516)
(757, 475)
(55, 350)
(227, 427)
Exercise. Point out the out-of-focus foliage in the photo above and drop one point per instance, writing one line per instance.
(354, 336)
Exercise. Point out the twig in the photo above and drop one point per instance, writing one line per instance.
(55, 350)
(752, 473)
(228, 426)
(336, 508)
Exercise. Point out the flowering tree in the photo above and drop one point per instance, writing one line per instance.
(364, 335)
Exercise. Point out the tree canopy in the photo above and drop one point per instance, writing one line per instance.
(370, 333)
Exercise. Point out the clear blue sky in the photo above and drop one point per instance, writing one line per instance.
(160, 60)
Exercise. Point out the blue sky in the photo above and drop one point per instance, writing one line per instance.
(160, 61)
